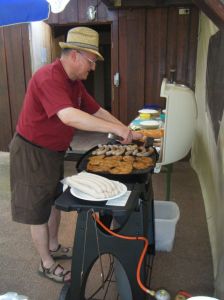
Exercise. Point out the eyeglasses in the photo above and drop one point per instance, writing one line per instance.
(91, 61)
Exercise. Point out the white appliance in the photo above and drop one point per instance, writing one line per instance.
(180, 120)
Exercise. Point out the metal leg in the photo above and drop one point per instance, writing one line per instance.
(65, 292)
(169, 169)
(119, 248)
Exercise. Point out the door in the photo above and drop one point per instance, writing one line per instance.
(131, 63)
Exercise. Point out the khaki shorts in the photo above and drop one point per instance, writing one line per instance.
(35, 175)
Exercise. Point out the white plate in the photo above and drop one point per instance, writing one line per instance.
(75, 192)
(150, 124)
(202, 298)
(148, 111)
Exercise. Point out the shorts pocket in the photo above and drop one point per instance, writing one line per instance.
(30, 196)
(32, 204)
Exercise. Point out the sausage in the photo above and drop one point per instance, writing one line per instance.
(101, 150)
(99, 185)
(75, 179)
(105, 184)
(84, 188)
(145, 153)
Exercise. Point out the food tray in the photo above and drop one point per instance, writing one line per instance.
(134, 176)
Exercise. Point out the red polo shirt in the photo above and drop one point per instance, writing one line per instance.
(49, 91)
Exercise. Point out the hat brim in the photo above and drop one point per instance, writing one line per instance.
(66, 45)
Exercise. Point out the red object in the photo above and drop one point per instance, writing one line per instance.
(131, 238)
(185, 294)
(49, 91)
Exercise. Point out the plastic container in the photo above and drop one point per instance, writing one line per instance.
(153, 106)
(167, 214)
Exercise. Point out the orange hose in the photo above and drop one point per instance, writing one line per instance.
(131, 238)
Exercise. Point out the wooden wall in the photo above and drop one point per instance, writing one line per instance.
(75, 12)
(151, 42)
(15, 72)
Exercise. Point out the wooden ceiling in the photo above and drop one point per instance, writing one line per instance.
(214, 9)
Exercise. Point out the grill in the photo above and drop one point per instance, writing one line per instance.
(139, 175)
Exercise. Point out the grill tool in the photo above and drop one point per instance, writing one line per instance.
(114, 139)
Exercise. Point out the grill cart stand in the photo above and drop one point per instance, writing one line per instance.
(138, 220)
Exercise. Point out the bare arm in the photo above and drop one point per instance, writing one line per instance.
(81, 120)
(105, 115)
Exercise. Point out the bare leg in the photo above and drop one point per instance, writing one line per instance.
(53, 227)
(40, 236)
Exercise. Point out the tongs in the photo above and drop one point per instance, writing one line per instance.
(147, 142)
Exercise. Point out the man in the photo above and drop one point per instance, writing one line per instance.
(56, 103)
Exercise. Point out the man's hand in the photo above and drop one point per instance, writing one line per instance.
(136, 135)
(132, 135)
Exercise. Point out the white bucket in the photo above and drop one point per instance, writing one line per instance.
(167, 214)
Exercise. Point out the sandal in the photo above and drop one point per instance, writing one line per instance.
(50, 273)
(61, 252)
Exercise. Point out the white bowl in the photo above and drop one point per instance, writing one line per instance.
(151, 124)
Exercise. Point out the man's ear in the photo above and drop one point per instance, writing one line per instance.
(74, 54)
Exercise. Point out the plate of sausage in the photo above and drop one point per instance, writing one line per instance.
(78, 194)
(94, 187)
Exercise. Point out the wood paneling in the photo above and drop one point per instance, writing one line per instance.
(171, 43)
(76, 12)
(156, 36)
(171, 40)
(113, 4)
(182, 36)
(5, 120)
(103, 14)
(69, 14)
(15, 70)
(181, 44)
(192, 52)
(26, 53)
(131, 62)
(15, 73)
(82, 9)
(114, 63)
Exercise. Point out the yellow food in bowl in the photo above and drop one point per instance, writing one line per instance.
(144, 116)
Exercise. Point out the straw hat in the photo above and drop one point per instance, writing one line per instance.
(83, 38)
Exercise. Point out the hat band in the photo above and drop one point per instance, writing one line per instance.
(82, 45)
